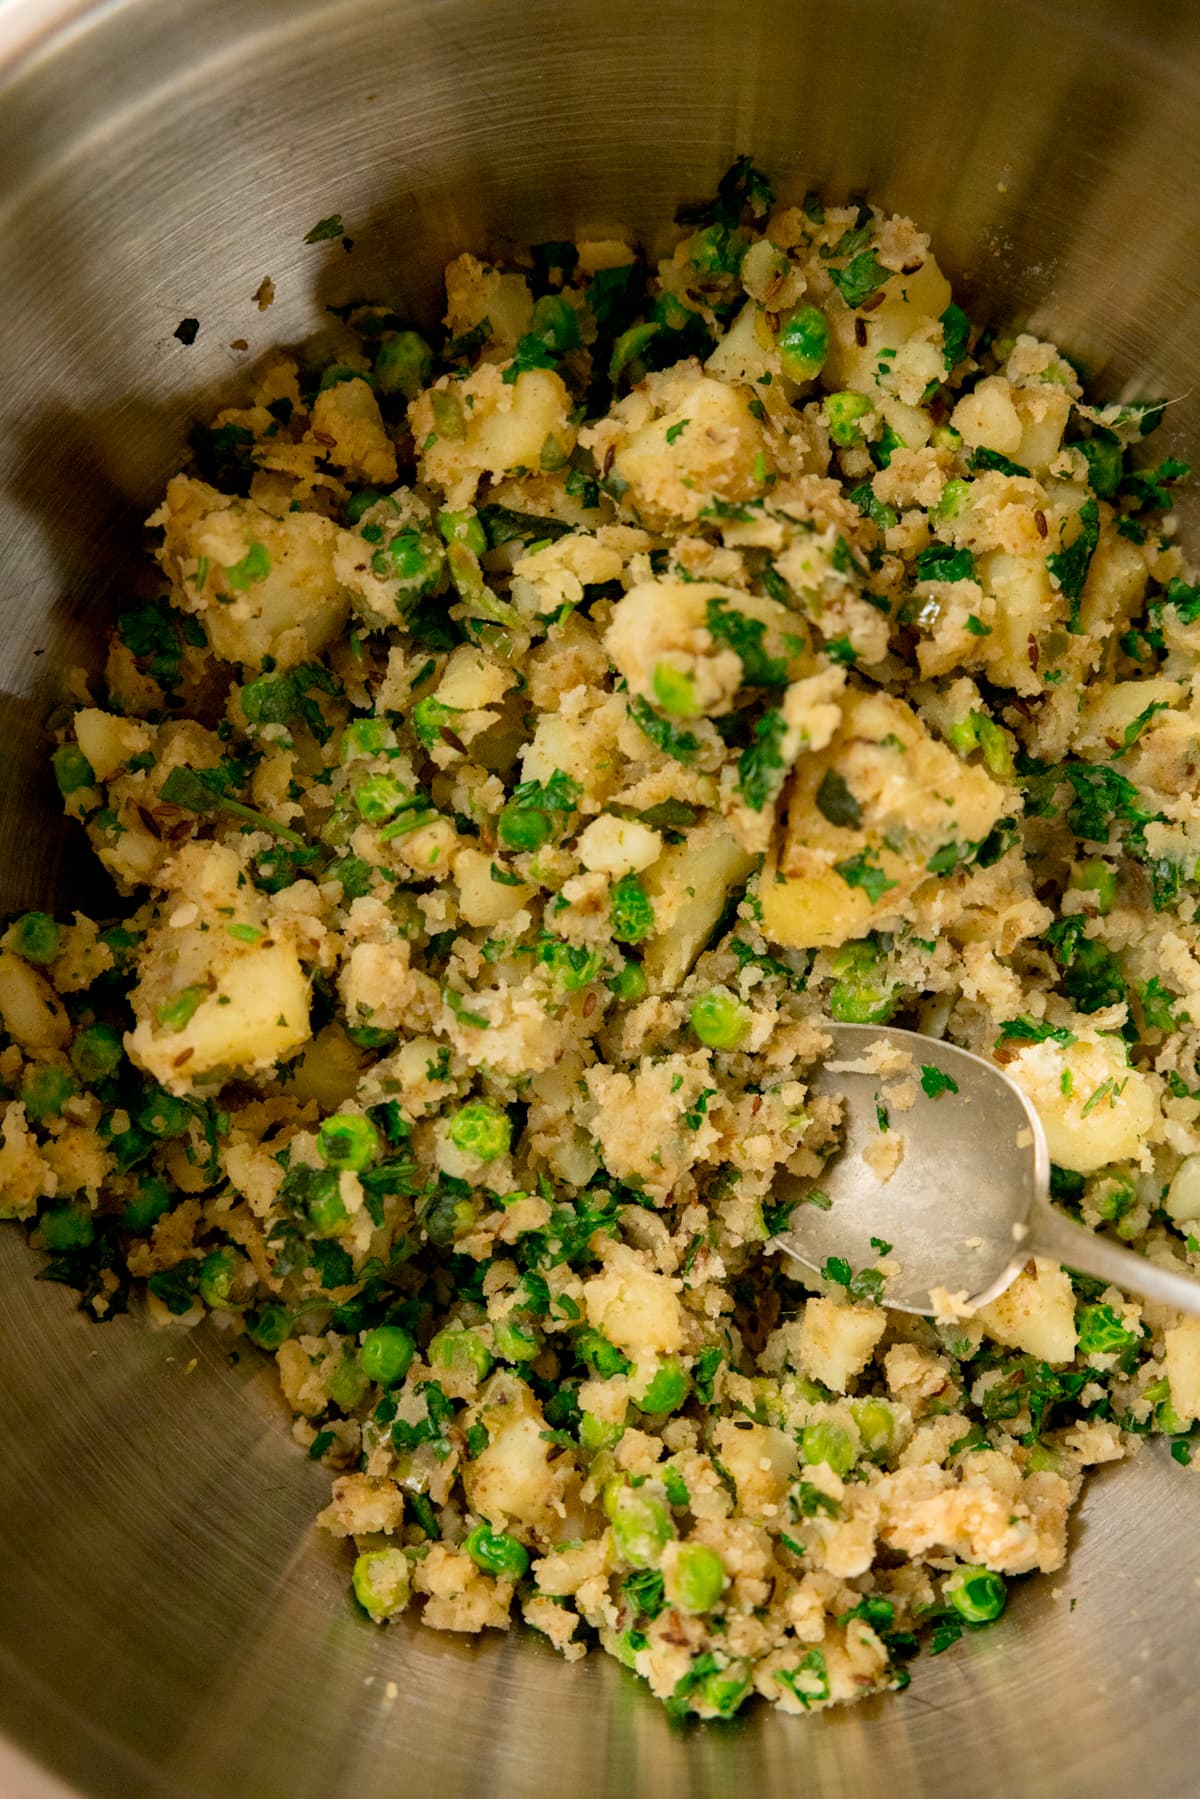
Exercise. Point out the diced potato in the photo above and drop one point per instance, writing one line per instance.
(705, 445)
(495, 427)
(763, 1461)
(107, 741)
(483, 900)
(29, 1009)
(470, 680)
(25, 1177)
(914, 797)
(1027, 606)
(1109, 710)
(618, 846)
(837, 1341)
(664, 622)
(475, 292)
(688, 886)
(1182, 1363)
(747, 351)
(260, 585)
(510, 1479)
(327, 1070)
(1043, 412)
(255, 1016)
(1036, 1314)
(347, 423)
(909, 301)
(634, 1307)
(987, 417)
(1108, 1114)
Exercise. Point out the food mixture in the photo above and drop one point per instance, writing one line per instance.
(541, 734)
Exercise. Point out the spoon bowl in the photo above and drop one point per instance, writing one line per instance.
(942, 1182)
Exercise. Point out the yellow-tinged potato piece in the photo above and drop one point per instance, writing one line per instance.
(1107, 1115)
(635, 1307)
(909, 301)
(837, 1341)
(487, 426)
(347, 423)
(511, 1478)
(1037, 1313)
(29, 1009)
(1183, 1367)
(475, 292)
(1108, 712)
(107, 741)
(687, 887)
(662, 626)
(260, 585)
(762, 1460)
(1027, 606)
(482, 899)
(254, 1015)
(829, 882)
(327, 1070)
(706, 445)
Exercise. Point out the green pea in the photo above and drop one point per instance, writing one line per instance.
(876, 1426)
(629, 983)
(348, 1140)
(830, 1443)
(381, 1582)
(596, 1433)
(361, 502)
(601, 1356)
(1101, 1331)
(465, 528)
(72, 770)
(641, 1524)
(803, 343)
(347, 1385)
(324, 1204)
(413, 560)
(34, 937)
(667, 1390)
(449, 420)
(720, 1020)
(862, 993)
(722, 1691)
(449, 1217)
(976, 1594)
(497, 1553)
(386, 1354)
(67, 1227)
(269, 1328)
(523, 827)
(178, 1011)
(953, 497)
(1111, 1197)
(1100, 878)
(556, 322)
(515, 1343)
(366, 737)
(481, 1130)
(143, 1210)
(629, 346)
(945, 437)
(164, 1116)
(843, 411)
(403, 364)
(631, 911)
(674, 691)
(461, 1352)
(46, 1090)
(380, 797)
(1044, 1460)
(96, 1053)
(226, 1279)
(694, 1578)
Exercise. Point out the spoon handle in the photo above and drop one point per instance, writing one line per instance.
(1052, 1235)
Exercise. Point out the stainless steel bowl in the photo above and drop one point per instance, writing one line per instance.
(170, 1623)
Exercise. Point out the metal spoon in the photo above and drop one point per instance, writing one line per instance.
(968, 1203)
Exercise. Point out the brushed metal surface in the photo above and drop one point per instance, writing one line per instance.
(170, 1624)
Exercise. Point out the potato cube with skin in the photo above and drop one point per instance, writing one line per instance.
(1036, 1314)
(837, 1341)
(1108, 1112)
(260, 585)
(1182, 1364)
(898, 799)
